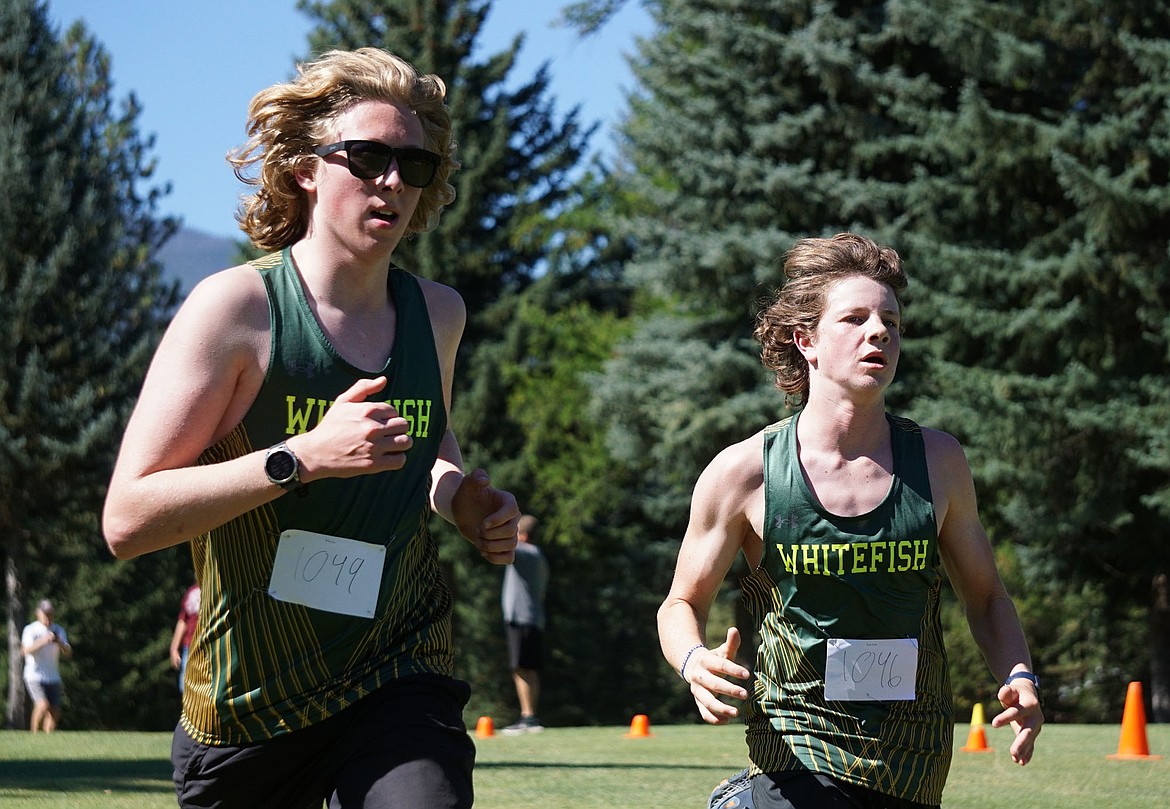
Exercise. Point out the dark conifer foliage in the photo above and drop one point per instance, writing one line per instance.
(1016, 155)
(81, 306)
(520, 243)
(1037, 237)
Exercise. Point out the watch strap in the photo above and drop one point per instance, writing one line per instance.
(1023, 675)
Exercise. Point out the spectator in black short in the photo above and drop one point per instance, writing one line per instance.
(525, 583)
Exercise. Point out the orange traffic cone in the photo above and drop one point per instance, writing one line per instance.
(977, 738)
(1133, 744)
(639, 727)
(485, 727)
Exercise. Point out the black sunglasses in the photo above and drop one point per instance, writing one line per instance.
(369, 160)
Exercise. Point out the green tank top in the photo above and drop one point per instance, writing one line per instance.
(824, 577)
(258, 666)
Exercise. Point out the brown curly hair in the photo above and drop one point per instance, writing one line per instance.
(812, 267)
(287, 120)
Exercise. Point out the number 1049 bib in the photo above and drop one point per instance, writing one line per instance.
(334, 574)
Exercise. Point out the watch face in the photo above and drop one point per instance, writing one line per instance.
(280, 466)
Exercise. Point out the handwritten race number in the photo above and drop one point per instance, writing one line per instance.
(334, 574)
(871, 670)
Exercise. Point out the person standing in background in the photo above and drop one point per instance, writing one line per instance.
(42, 643)
(185, 631)
(522, 598)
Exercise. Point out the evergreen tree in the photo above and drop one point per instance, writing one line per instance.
(606, 581)
(510, 224)
(754, 128)
(1015, 154)
(1036, 238)
(555, 336)
(755, 125)
(81, 305)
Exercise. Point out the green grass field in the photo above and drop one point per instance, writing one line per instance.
(590, 768)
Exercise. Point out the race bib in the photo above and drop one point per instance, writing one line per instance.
(871, 670)
(327, 573)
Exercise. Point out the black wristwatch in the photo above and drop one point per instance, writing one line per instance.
(282, 467)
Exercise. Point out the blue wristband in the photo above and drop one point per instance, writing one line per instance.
(682, 672)
(1024, 675)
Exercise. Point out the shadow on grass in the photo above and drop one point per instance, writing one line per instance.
(599, 765)
(148, 775)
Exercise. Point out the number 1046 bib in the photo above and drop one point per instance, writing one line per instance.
(871, 670)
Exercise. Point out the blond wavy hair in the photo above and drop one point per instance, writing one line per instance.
(286, 121)
(812, 268)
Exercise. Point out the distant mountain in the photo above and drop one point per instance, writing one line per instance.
(192, 255)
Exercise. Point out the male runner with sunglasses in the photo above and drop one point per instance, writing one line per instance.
(293, 427)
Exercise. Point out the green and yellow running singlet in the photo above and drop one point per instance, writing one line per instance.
(851, 673)
(260, 666)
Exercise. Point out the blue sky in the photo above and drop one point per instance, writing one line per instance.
(194, 66)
